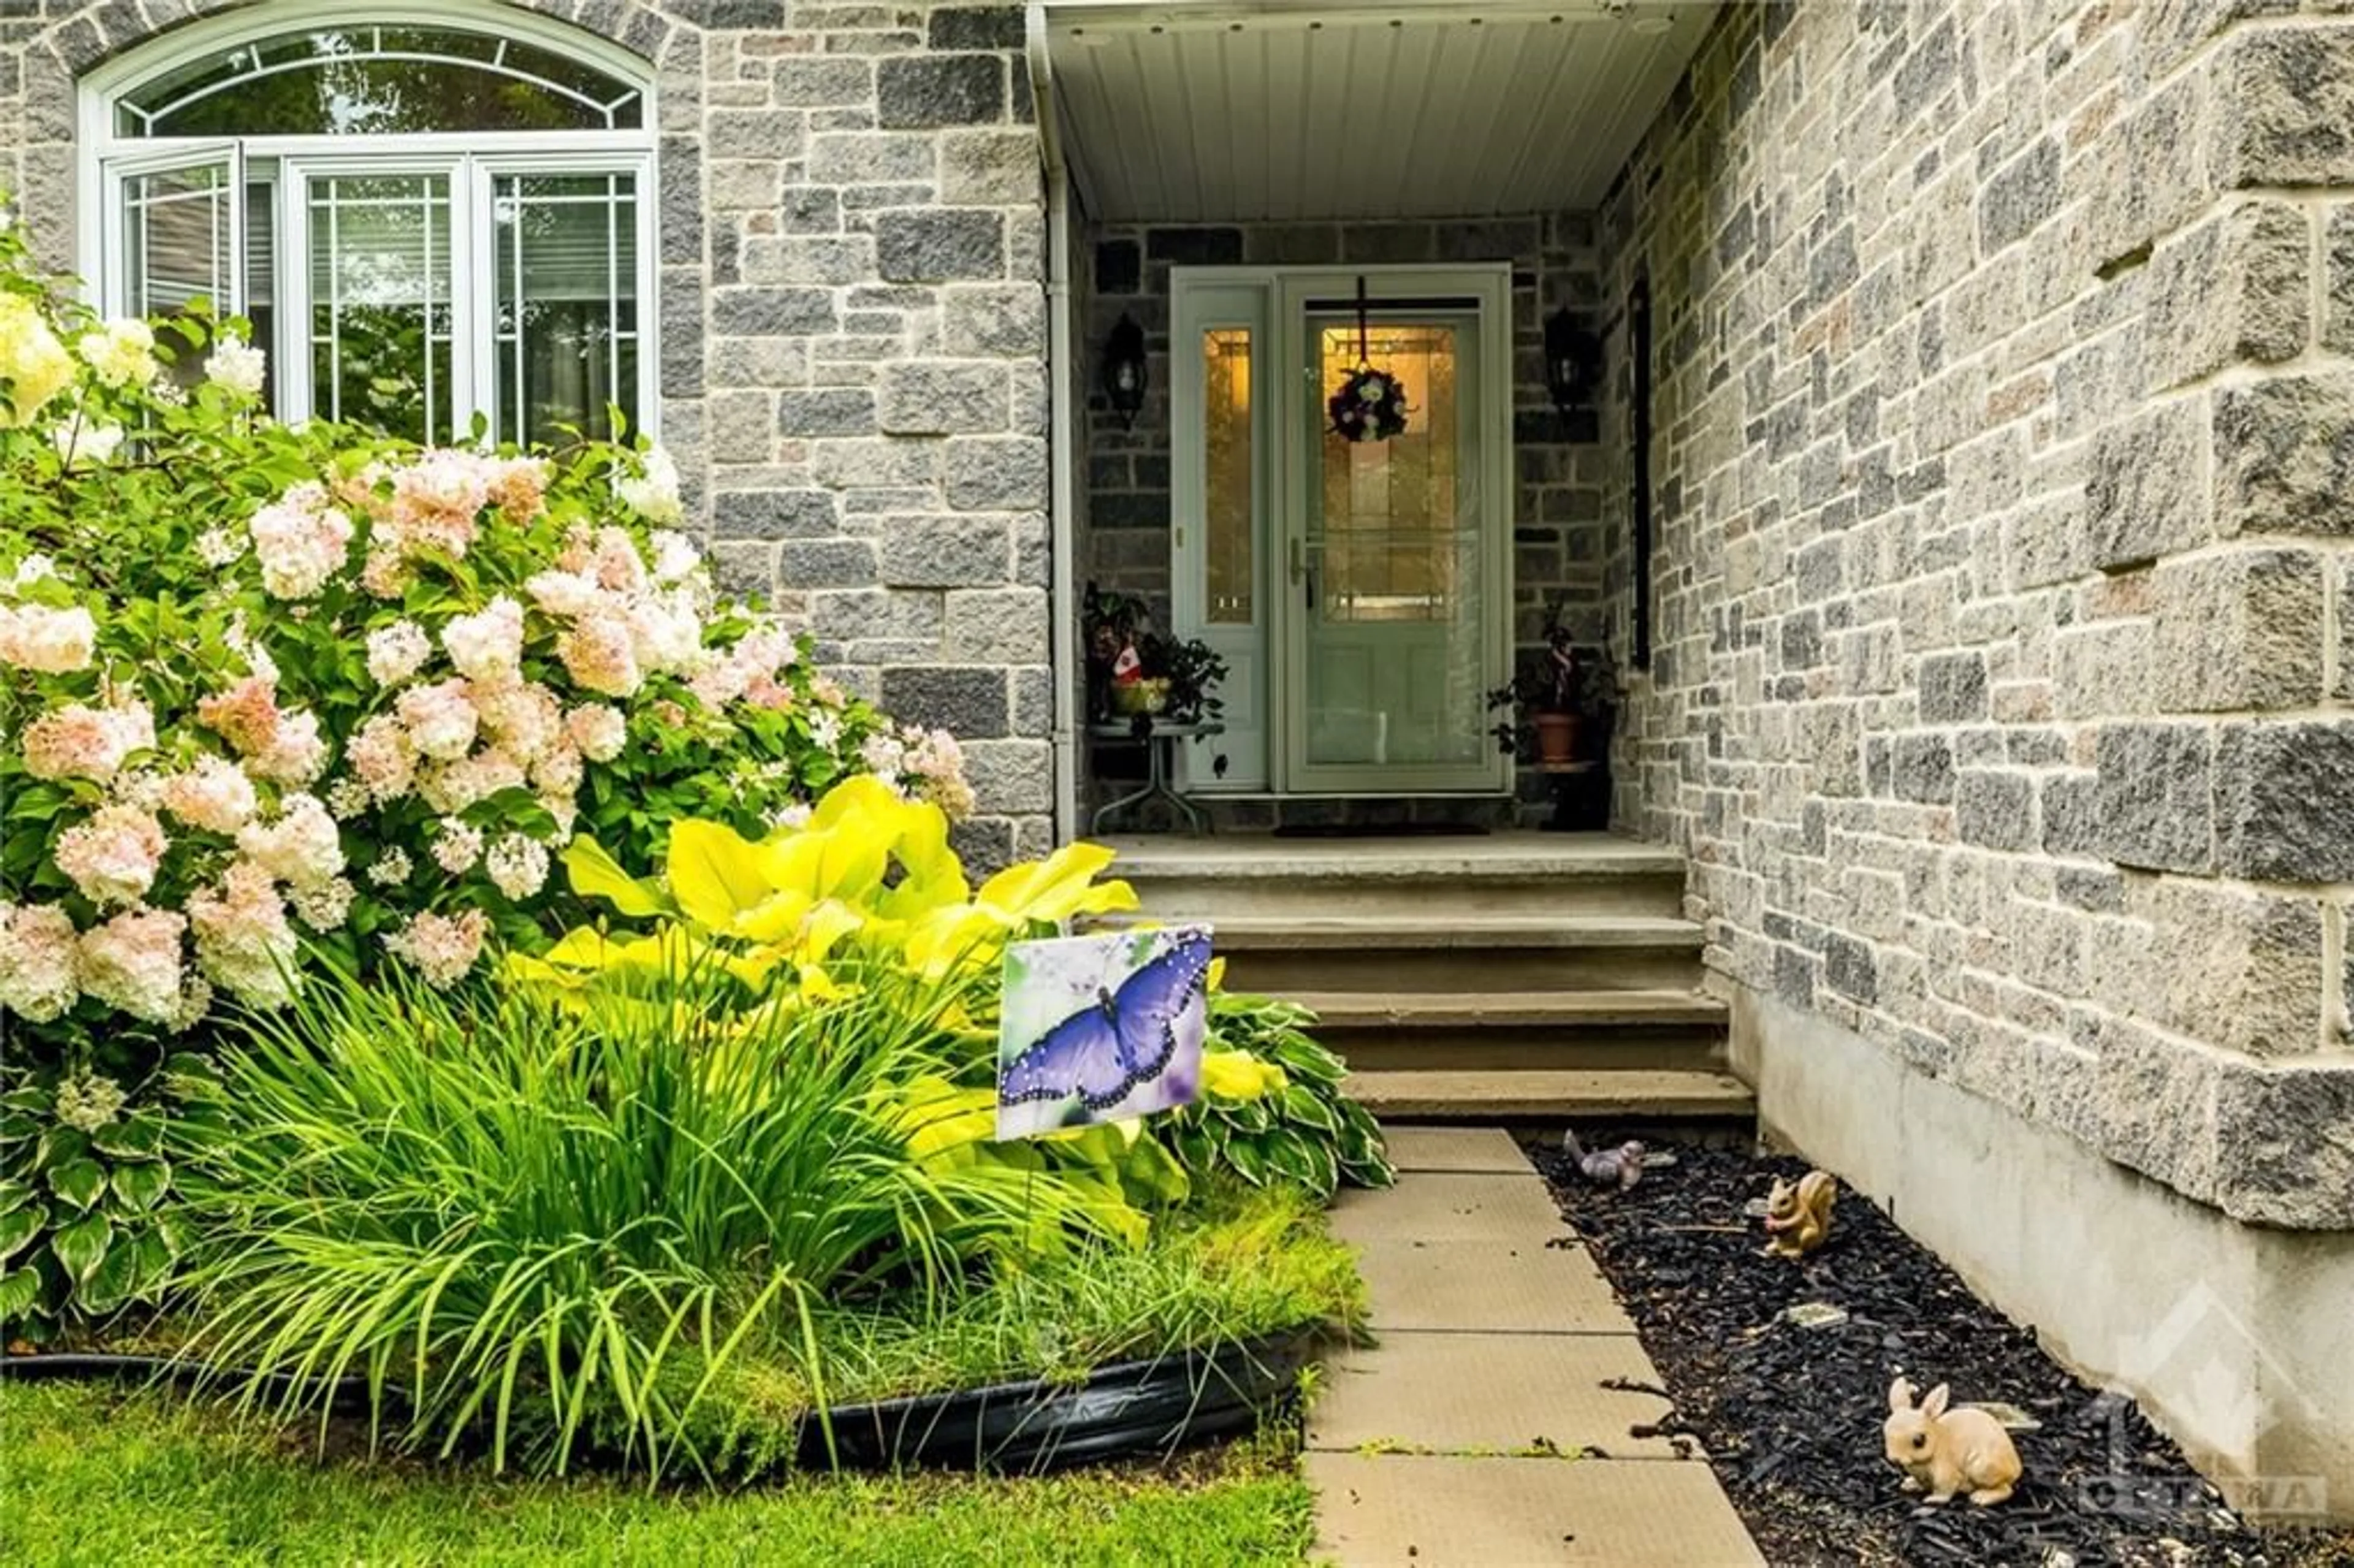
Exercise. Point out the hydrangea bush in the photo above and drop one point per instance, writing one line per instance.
(274, 695)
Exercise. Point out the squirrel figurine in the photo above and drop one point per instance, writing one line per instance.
(1621, 1167)
(1947, 1451)
(1799, 1218)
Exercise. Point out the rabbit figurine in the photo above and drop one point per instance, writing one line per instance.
(1799, 1218)
(1947, 1451)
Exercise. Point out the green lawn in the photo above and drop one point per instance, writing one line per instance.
(121, 1480)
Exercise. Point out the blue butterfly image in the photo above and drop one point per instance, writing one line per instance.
(1125, 1038)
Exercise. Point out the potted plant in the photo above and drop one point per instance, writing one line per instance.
(1561, 701)
(1137, 674)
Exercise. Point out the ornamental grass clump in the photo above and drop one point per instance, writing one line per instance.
(548, 1226)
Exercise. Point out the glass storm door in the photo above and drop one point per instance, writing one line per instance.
(1358, 592)
(1397, 549)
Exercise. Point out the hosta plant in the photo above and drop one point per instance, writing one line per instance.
(1303, 1130)
(86, 1188)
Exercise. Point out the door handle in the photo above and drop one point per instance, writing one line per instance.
(1302, 573)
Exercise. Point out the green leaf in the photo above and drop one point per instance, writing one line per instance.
(18, 1227)
(139, 1136)
(142, 1186)
(82, 1245)
(1303, 1106)
(15, 1194)
(1248, 1160)
(78, 1181)
(18, 1290)
(114, 1280)
(60, 1146)
(155, 1259)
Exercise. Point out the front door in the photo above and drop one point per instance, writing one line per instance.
(1360, 589)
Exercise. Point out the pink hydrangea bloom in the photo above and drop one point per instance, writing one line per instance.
(382, 758)
(519, 489)
(113, 856)
(524, 719)
(442, 948)
(36, 961)
(297, 755)
(457, 846)
(599, 731)
(557, 771)
(246, 715)
(52, 641)
(617, 565)
(564, 595)
(244, 944)
(440, 719)
(601, 656)
(214, 794)
(397, 651)
(436, 502)
(81, 742)
(517, 866)
(664, 633)
(487, 646)
(133, 962)
(302, 847)
(300, 541)
(452, 787)
(324, 906)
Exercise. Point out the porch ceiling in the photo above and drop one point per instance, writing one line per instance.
(1298, 111)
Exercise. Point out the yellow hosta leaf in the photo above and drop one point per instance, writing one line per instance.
(596, 874)
(776, 918)
(1240, 1075)
(717, 875)
(1055, 888)
(1218, 974)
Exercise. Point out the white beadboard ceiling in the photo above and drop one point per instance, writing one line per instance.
(1296, 111)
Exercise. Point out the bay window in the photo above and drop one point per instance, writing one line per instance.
(428, 222)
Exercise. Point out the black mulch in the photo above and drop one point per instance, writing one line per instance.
(1791, 1417)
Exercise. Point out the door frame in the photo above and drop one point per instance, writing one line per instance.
(1284, 461)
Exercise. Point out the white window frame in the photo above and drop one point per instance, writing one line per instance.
(471, 161)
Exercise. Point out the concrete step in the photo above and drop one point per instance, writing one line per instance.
(1549, 1095)
(1403, 951)
(1548, 876)
(1520, 1031)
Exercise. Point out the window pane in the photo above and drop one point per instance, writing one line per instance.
(566, 334)
(262, 278)
(380, 310)
(378, 80)
(177, 240)
(1228, 492)
(1389, 507)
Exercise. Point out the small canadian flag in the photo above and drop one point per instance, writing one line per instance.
(1129, 667)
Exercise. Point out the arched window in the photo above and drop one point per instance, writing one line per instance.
(427, 216)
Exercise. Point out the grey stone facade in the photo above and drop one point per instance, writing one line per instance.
(853, 330)
(2002, 409)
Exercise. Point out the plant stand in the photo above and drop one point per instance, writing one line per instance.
(1159, 745)
(1581, 797)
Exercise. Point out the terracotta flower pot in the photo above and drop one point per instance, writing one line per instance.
(1557, 737)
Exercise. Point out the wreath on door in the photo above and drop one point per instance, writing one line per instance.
(1370, 406)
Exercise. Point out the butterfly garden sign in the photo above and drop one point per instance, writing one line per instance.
(1101, 1028)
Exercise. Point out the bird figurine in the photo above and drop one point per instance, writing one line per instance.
(1799, 1218)
(1621, 1167)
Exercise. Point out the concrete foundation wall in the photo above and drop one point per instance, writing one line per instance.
(2237, 1338)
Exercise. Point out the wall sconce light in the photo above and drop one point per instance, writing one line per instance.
(1573, 361)
(1125, 372)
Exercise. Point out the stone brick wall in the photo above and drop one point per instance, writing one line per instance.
(1559, 532)
(853, 319)
(2001, 695)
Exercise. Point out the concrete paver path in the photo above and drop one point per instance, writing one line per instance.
(1442, 1445)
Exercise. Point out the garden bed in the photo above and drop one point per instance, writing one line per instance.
(1791, 1417)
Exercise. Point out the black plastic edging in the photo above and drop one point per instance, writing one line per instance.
(1129, 1409)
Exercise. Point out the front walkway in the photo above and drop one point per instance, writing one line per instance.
(1490, 1426)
